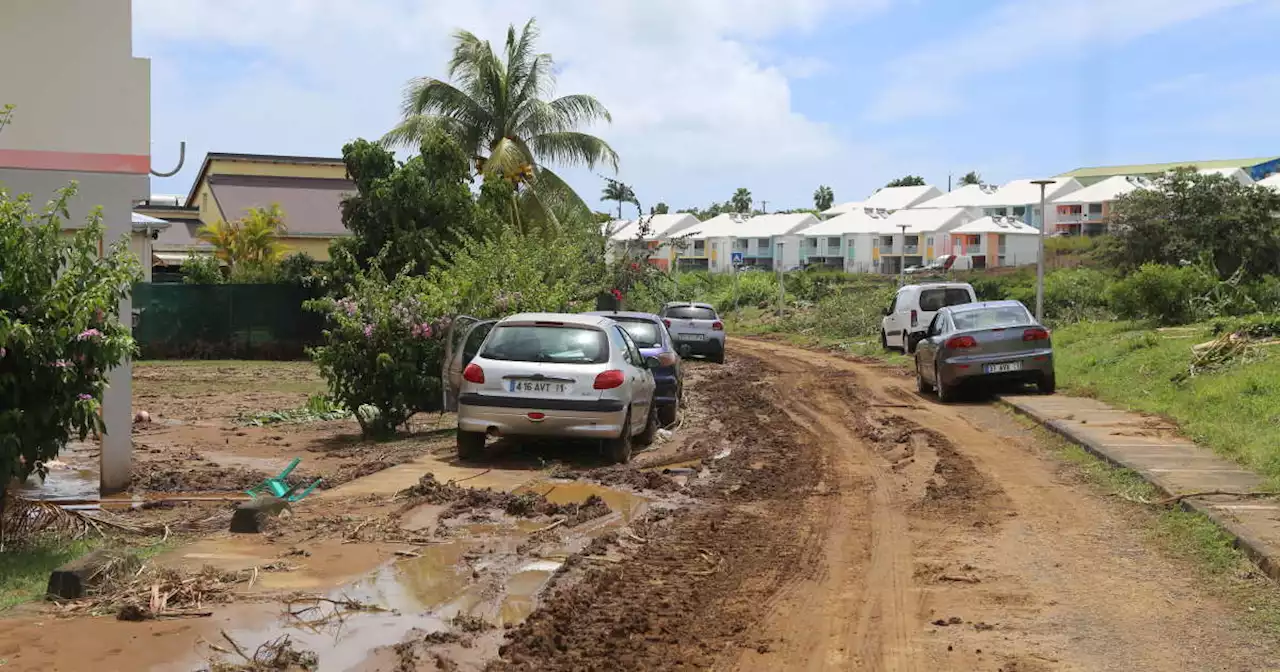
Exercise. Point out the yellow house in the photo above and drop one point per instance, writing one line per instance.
(309, 190)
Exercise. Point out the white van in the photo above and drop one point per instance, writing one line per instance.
(913, 307)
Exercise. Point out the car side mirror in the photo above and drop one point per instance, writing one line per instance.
(887, 312)
(652, 363)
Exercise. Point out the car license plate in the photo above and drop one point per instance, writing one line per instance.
(537, 387)
(1004, 368)
(691, 337)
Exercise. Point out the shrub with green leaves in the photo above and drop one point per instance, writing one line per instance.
(1163, 294)
(59, 329)
(383, 349)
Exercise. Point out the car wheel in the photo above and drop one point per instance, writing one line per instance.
(645, 437)
(470, 445)
(1047, 383)
(884, 341)
(921, 386)
(618, 450)
(911, 342)
(718, 357)
(946, 393)
(668, 414)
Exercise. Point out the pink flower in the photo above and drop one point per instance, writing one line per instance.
(85, 397)
(426, 330)
(61, 364)
(88, 334)
(2, 352)
(368, 331)
(416, 331)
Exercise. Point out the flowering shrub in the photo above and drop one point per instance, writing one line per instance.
(383, 351)
(59, 330)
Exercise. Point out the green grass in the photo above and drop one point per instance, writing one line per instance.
(1234, 411)
(24, 572)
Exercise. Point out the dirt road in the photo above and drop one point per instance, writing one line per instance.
(861, 526)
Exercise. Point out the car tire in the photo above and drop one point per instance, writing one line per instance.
(884, 341)
(911, 341)
(618, 450)
(470, 445)
(668, 414)
(645, 437)
(717, 358)
(921, 386)
(946, 393)
(1047, 384)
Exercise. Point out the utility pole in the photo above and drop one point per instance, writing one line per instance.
(782, 287)
(1044, 217)
(902, 258)
(764, 207)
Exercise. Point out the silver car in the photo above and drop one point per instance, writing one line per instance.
(550, 375)
(990, 341)
(696, 329)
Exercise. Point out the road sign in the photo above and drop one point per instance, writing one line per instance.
(736, 258)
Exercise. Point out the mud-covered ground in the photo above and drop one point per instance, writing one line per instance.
(808, 512)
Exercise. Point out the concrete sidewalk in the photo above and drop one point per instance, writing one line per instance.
(1156, 451)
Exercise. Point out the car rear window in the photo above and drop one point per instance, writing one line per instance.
(539, 343)
(690, 313)
(991, 318)
(935, 299)
(643, 332)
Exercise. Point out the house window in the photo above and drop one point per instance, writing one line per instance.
(699, 247)
(1020, 211)
(913, 240)
(1095, 208)
(740, 244)
(928, 241)
(812, 242)
(973, 240)
(849, 244)
(833, 241)
(762, 243)
(204, 202)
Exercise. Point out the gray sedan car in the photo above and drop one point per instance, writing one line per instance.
(990, 341)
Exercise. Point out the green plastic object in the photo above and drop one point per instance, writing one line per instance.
(278, 487)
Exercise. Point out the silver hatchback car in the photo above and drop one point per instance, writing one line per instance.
(554, 375)
(696, 329)
(990, 341)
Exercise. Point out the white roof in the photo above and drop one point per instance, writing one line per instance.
(840, 209)
(1236, 174)
(967, 196)
(1272, 181)
(139, 218)
(660, 226)
(1005, 225)
(1107, 190)
(897, 198)
(760, 226)
(922, 220)
(857, 221)
(1024, 192)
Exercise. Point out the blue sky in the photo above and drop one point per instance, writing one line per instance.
(776, 96)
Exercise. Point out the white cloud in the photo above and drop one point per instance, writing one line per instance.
(932, 80)
(696, 108)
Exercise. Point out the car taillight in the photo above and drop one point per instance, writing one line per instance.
(960, 343)
(668, 358)
(667, 323)
(1035, 334)
(914, 318)
(473, 374)
(717, 326)
(609, 380)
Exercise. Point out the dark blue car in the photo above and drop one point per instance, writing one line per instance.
(653, 339)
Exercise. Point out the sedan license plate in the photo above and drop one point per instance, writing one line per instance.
(1004, 368)
(691, 337)
(537, 387)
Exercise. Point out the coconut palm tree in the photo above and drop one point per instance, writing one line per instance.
(741, 200)
(496, 108)
(617, 191)
(971, 177)
(823, 197)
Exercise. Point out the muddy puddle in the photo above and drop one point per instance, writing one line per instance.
(490, 572)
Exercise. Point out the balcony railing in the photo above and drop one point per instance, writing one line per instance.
(1081, 218)
(912, 249)
(886, 249)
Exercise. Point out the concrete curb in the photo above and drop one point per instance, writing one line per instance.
(1242, 538)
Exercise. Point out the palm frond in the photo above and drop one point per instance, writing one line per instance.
(561, 201)
(507, 158)
(519, 65)
(478, 71)
(573, 147)
(578, 109)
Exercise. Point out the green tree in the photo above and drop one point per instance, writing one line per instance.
(907, 181)
(59, 329)
(660, 209)
(741, 200)
(250, 246)
(408, 216)
(1186, 217)
(496, 112)
(823, 197)
(971, 177)
(617, 191)
(201, 269)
